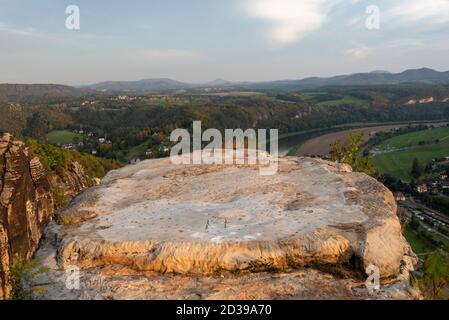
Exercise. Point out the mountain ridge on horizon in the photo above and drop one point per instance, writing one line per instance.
(409, 76)
(377, 77)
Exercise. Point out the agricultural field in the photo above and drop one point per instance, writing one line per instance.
(420, 244)
(415, 138)
(345, 100)
(322, 98)
(310, 95)
(233, 94)
(62, 137)
(395, 156)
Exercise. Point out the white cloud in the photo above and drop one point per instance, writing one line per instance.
(360, 52)
(291, 20)
(63, 37)
(428, 12)
(393, 48)
(17, 31)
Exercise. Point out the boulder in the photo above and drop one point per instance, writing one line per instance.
(203, 220)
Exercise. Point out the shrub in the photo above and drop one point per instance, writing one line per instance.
(22, 271)
(436, 275)
(350, 153)
(52, 158)
(56, 160)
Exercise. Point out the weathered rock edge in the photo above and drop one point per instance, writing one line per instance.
(376, 240)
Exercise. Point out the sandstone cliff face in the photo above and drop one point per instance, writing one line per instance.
(26, 201)
(157, 230)
(26, 205)
(73, 181)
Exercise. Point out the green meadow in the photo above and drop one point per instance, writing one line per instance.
(62, 137)
(423, 145)
(345, 100)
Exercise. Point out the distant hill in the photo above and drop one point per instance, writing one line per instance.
(219, 82)
(424, 75)
(141, 85)
(33, 92)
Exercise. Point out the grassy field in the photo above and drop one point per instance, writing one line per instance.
(137, 151)
(62, 137)
(347, 99)
(413, 138)
(344, 100)
(418, 244)
(311, 95)
(399, 163)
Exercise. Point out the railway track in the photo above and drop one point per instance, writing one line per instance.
(427, 212)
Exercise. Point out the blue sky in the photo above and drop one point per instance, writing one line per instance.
(201, 40)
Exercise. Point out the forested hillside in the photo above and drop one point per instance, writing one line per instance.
(129, 125)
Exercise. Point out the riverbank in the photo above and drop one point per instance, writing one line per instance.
(317, 141)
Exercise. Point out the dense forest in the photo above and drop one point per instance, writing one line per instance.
(129, 122)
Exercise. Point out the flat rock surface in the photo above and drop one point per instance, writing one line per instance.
(160, 217)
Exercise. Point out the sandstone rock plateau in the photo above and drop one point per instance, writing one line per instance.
(157, 230)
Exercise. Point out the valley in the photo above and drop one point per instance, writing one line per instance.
(125, 127)
(320, 145)
(119, 141)
(209, 152)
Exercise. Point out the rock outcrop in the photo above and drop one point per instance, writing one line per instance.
(71, 182)
(27, 201)
(26, 205)
(158, 230)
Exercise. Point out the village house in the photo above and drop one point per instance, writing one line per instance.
(68, 146)
(445, 184)
(107, 142)
(422, 188)
(399, 196)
